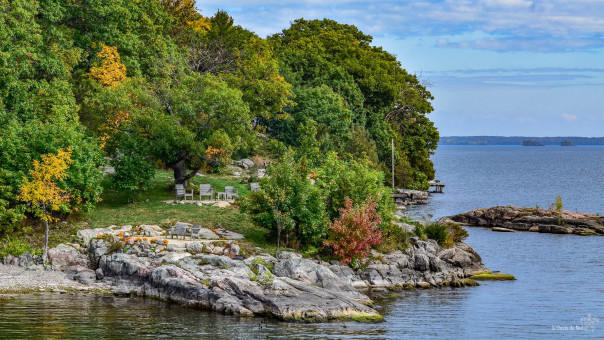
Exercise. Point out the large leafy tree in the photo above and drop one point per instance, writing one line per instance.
(388, 101)
(38, 110)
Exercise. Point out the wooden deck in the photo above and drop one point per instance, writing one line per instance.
(438, 186)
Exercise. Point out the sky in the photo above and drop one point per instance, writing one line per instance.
(495, 67)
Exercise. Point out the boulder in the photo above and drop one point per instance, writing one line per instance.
(316, 274)
(150, 230)
(86, 235)
(245, 163)
(65, 255)
(195, 247)
(96, 249)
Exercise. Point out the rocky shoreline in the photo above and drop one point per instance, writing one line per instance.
(511, 218)
(287, 287)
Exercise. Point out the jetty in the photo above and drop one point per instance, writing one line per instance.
(437, 185)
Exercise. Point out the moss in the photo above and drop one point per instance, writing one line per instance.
(470, 283)
(367, 318)
(408, 287)
(492, 277)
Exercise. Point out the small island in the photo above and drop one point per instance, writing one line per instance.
(531, 142)
(511, 218)
(567, 143)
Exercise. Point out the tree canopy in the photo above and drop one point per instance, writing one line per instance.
(155, 83)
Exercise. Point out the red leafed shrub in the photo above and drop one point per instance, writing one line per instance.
(355, 231)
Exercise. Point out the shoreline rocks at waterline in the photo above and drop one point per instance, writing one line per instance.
(511, 218)
(286, 287)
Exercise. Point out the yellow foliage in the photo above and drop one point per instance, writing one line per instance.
(41, 189)
(109, 70)
(113, 125)
(200, 25)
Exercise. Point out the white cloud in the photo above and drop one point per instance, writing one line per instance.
(575, 24)
(569, 116)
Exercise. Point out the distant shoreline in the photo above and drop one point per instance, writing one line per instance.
(517, 140)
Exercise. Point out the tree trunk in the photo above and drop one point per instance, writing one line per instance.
(278, 238)
(45, 252)
(180, 172)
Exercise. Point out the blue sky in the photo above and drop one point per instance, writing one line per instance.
(495, 67)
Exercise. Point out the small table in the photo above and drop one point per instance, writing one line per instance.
(221, 194)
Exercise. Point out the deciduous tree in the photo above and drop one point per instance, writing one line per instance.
(42, 189)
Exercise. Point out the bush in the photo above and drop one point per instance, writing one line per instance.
(356, 180)
(355, 231)
(289, 204)
(455, 233)
(16, 246)
(393, 238)
(437, 232)
(446, 234)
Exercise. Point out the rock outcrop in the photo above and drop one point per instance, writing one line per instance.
(287, 287)
(532, 219)
(408, 196)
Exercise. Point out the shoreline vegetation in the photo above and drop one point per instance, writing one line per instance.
(236, 272)
(106, 106)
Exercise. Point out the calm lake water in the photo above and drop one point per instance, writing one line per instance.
(560, 278)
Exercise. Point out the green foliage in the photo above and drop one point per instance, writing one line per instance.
(447, 235)
(289, 202)
(338, 179)
(437, 232)
(16, 246)
(21, 144)
(393, 238)
(133, 172)
(385, 99)
(557, 205)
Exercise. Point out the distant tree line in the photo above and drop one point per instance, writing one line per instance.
(517, 140)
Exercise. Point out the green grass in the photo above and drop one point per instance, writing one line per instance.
(114, 209)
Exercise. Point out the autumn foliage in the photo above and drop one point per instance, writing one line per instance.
(355, 231)
(41, 189)
(109, 70)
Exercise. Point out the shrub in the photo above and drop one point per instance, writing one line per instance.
(437, 232)
(456, 232)
(355, 231)
(393, 237)
(446, 234)
(289, 204)
(16, 246)
(356, 180)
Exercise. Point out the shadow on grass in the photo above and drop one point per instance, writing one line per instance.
(115, 209)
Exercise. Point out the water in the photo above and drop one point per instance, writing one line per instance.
(559, 277)
(484, 176)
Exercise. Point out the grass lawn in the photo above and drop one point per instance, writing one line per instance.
(115, 209)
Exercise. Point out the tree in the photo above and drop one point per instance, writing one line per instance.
(108, 70)
(42, 189)
(355, 231)
(133, 169)
(386, 100)
(289, 204)
(201, 125)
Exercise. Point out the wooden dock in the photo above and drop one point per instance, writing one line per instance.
(438, 186)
